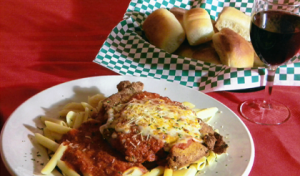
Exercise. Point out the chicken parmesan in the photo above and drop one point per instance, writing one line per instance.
(145, 126)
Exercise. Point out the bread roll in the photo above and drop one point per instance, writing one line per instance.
(198, 26)
(233, 49)
(163, 30)
(186, 50)
(207, 54)
(178, 12)
(204, 52)
(214, 25)
(236, 20)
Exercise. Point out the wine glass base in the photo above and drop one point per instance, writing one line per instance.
(256, 111)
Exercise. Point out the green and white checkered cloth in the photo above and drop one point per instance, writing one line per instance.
(126, 52)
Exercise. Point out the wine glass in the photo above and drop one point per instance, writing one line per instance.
(275, 36)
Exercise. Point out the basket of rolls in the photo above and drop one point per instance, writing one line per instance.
(204, 45)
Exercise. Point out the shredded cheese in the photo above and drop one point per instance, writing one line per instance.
(168, 122)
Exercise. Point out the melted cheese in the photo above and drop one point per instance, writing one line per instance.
(167, 122)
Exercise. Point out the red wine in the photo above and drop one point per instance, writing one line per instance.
(275, 36)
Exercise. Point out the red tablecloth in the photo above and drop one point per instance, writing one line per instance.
(45, 43)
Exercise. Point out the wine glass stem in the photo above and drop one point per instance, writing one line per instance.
(269, 85)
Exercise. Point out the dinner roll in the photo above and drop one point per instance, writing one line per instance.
(233, 49)
(163, 30)
(207, 54)
(198, 26)
(236, 20)
(186, 50)
(214, 25)
(178, 12)
(204, 52)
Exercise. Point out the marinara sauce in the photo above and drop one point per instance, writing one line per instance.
(89, 153)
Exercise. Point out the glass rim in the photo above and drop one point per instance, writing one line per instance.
(296, 3)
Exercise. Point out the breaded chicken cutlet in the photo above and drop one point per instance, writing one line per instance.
(146, 127)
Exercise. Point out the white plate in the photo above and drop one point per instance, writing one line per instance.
(20, 153)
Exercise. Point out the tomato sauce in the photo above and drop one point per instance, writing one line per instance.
(136, 147)
(89, 153)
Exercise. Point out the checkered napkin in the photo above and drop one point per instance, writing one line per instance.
(126, 52)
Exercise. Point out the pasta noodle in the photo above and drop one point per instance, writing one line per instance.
(51, 135)
(156, 171)
(211, 158)
(191, 171)
(85, 105)
(76, 107)
(206, 114)
(86, 114)
(200, 164)
(78, 119)
(70, 118)
(46, 142)
(188, 104)
(184, 167)
(47, 133)
(60, 122)
(57, 128)
(134, 171)
(65, 169)
(53, 161)
(168, 172)
(95, 100)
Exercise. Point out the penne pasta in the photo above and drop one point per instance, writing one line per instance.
(188, 104)
(78, 119)
(191, 171)
(168, 172)
(86, 114)
(70, 118)
(134, 171)
(156, 171)
(56, 136)
(201, 163)
(182, 172)
(184, 167)
(51, 134)
(206, 114)
(65, 169)
(47, 133)
(55, 172)
(89, 109)
(57, 128)
(95, 99)
(211, 158)
(86, 105)
(58, 121)
(53, 161)
(46, 142)
(76, 107)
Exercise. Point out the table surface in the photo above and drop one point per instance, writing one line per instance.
(45, 43)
